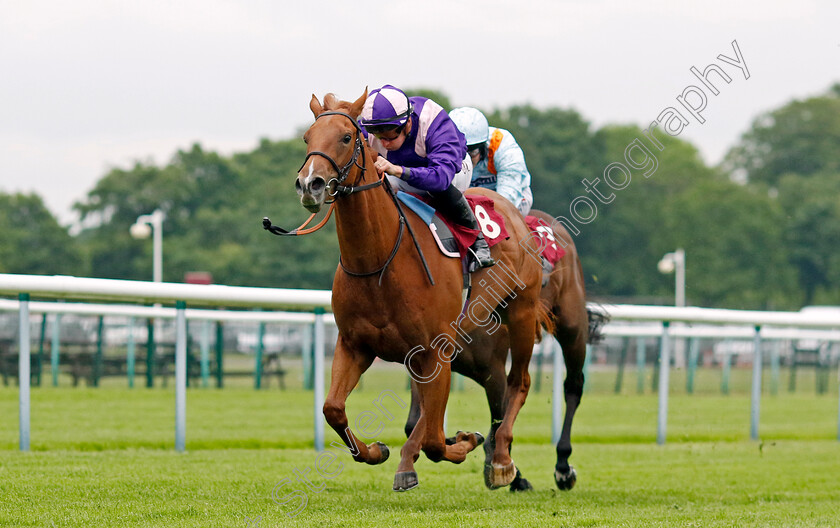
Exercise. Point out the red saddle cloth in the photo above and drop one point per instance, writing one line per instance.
(551, 250)
(492, 224)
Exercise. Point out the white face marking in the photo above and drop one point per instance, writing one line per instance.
(308, 180)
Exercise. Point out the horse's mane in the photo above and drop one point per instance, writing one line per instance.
(333, 103)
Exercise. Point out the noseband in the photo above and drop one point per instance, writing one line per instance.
(343, 172)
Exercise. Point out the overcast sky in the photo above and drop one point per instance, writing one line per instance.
(88, 85)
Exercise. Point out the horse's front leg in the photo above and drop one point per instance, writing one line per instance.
(348, 366)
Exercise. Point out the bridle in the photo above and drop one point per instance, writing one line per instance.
(340, 190)
(343, 172)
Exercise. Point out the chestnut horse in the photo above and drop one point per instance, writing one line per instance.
(386, 306)
(484, 359)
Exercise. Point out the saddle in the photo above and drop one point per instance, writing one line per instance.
(453, 239)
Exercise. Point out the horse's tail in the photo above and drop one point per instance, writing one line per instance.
(545, 320)
(598, 317)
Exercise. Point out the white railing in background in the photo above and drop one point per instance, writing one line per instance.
(765, 325)
(691, 314)
(760, 325)
(163, 312)
(64, 287)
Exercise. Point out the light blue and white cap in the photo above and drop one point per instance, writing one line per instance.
(472, 123)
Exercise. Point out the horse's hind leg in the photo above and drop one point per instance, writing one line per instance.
(571, 333)
(414, 414)
(488, 370)
(433, 398)
(406, 477)
(347, 368)
(522, 323)
(413, 410)
(494, 388)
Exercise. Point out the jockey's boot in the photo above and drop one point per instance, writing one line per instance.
(481, 254)
(455, 207)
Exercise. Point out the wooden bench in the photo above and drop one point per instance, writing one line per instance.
(78, 360)
(271, 366)
(10, 360)
(165, 364)
(816, 355)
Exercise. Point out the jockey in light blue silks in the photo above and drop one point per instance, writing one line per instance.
(419, 144)
(498, 162)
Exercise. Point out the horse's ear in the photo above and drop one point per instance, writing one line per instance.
(356, 107)
(315, 106)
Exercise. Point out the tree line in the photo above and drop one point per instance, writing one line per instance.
(760, 231)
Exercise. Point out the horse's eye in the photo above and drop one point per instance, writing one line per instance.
(304, 139)
(346, 139)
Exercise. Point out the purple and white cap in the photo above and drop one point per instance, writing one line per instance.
(385, 107)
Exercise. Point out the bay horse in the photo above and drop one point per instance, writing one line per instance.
(386, 307)
(484, 359)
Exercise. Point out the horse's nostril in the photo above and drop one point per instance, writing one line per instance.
(317, 185)
(298, 187)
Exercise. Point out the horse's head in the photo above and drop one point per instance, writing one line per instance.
(334, 142)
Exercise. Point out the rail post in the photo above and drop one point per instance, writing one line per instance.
(319, 379)
(23, 371)
(558, 395)
(97, 359)
(220, 355)
(306, 354)
(664, 369)
(130, 353)
(40, 357)
(755, 404)
(691, 370)
(641, 347)
(205, 354)
(150, 353)
(180, 375)
(258, 356)
(54, 348)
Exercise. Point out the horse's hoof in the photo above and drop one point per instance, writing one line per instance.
(498, 476)
(479, 438)
(565, 481)
(520, 484)
(385, 452)
(405, 481)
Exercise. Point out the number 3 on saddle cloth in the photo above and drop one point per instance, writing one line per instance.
(453, 239)
(550, 251)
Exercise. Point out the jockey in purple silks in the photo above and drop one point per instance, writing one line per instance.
(423, 151)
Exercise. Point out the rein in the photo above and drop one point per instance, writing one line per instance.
(342, 190)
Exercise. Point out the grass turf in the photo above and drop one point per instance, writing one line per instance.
(103, 457)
